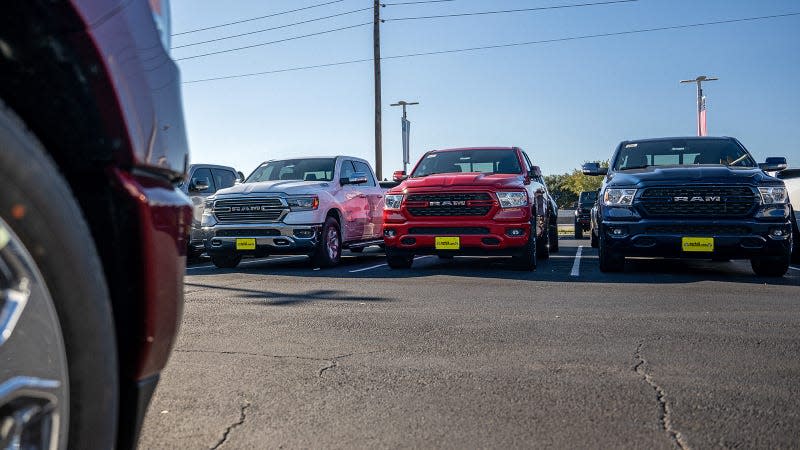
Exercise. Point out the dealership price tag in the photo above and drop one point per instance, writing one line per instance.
(246, 244)
(697, 244)
(447, 243)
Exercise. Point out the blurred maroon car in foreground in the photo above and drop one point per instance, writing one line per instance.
(92, 229)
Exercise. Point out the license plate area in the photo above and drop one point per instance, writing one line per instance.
(697, 244)
(447, 242)
(245, 244)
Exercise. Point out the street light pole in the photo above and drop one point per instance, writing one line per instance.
(376, 48)
(405, 130)
(701, 102)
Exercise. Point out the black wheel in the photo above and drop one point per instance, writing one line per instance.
(329, 250)
(593, 241)
(795, 239)
(610, 261)
(226, 261)
(578, 230)
(554, 238)
(771, 266)
(543, 242)
(398, 260)
(526, 258)
(357, 250)
(60, 344)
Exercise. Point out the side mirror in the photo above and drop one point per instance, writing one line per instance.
(774, 164)
(355, 178)
(536, 171)
(240, 175)
(399, 175)
(594, 169)
(198, 186)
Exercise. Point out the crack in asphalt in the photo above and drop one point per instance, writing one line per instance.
(227, 432)
(664, 410)
(332, 362)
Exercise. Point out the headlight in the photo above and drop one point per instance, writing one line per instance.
(392, 201)
(773, 195)
(512, 199)
(208, 219)
(619, 197)
(303, 203)
(209, 204)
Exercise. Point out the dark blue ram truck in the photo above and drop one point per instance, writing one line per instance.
(692, 197)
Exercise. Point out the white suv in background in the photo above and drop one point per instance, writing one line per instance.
(791, 177)
(314, 206)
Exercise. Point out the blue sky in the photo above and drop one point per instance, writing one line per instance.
(564, 102)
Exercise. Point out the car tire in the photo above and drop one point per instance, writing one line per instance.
(773, 266)
(44, 218)
(396, 260)
(554, 238)
(543, 243)
(526, 259)
(593, 241)
(578, 230)
(610, 261)
(795, 239)
(226, 261)
(329, 250)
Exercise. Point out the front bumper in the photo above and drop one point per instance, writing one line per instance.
(270, 238)
(477, 237)
(733, 239)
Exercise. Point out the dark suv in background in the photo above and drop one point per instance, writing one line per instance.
(93, 231)
(583, 212)
(693, 197)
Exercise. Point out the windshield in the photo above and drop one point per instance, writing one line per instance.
(482, 161)
(314, 169)
(688, 152)
(587, 197)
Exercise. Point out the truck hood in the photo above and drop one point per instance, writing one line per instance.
(671, 175)
(473, 180)
(290, 187)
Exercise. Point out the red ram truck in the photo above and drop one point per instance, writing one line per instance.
(93, 228)
(470, 201)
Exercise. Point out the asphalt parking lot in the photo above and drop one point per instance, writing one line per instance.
(471, 353)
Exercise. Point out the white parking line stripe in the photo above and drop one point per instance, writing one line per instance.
(253, 261)
(576, 266)
(794, 268)
(368, 268)
(364, 269)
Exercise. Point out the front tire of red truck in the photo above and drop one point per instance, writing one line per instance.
(526, 258)
(398, 260)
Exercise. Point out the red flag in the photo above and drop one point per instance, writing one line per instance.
(701, 125)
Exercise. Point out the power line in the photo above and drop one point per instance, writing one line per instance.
(273, 28)
(273, 42)
(415, 3)
(258, 18)
(507, 11)
(515, 44)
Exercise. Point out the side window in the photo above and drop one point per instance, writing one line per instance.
(347, 169)
(361, 167)
(527, 160)
(223, 178)
(204, 176)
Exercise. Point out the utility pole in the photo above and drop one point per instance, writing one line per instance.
(701, 102)
(406, 130)
(376, 42)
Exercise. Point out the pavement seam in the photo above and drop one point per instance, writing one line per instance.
(227, 432)
(664, 409)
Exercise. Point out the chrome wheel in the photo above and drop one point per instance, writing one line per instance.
(34, 388)
(332, 244)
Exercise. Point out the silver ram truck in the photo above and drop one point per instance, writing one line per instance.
(314, 206)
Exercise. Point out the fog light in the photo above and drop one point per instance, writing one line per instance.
(304, 233)
(515, 232)
(408, 241)
(389, 233)
(617, 231)
(778, 232)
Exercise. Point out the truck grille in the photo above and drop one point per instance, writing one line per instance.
(445, 231)
(250, 210)
(700, 230)
(698, 201)
(450, 204)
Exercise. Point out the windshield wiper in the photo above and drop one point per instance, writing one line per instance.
(643, 166)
